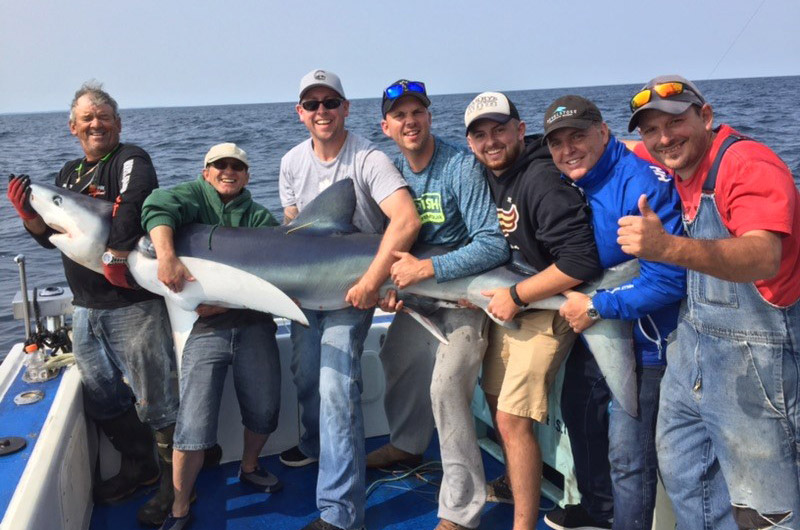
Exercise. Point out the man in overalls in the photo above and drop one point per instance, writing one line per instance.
(728, 421)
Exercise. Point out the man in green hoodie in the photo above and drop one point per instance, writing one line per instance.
(219, 198)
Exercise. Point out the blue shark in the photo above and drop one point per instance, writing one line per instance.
(310, 264)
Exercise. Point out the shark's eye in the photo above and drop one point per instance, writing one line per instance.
(57, 200)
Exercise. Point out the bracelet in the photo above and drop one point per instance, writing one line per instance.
(515, 296)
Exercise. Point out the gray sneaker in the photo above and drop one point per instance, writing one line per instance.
(260, 479)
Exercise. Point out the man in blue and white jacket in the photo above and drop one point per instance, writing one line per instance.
(613, 179)
(456, 210)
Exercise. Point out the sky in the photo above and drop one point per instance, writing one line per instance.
(192, 52)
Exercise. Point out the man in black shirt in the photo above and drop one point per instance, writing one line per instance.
(546, 221)
(118, 332)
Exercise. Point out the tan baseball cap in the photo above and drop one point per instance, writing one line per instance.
(226, 150)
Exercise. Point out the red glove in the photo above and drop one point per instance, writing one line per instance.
(18, 192)
(119, 275)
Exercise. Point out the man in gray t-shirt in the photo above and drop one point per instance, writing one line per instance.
(330, 399)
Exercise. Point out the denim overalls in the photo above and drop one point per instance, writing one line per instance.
(728, 421)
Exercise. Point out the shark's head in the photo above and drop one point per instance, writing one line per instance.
(81, 223)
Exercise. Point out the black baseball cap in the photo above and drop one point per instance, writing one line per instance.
(400, 88)
(570, 111)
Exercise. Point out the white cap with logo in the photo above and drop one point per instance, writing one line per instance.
(493, 106)
(226, 150)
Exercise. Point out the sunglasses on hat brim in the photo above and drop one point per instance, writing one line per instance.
(662, 90)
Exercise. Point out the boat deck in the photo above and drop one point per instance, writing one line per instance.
(393, 502)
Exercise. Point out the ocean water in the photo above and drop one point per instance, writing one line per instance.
(178, 138)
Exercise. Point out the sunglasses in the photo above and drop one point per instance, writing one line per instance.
(664, 90)
(398, 89)
(222, 165)
(313, 104)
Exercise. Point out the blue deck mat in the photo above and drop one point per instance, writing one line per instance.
(25, 421)
(222, 503)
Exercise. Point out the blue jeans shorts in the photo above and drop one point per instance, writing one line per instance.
(252, 351)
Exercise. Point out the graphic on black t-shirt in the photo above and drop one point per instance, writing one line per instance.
(509, 219)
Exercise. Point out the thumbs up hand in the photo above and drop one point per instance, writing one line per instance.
(642, 235)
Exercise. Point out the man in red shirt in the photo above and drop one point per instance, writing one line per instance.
(727, 435)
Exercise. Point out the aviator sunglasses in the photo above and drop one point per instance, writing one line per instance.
(664, 90)
(313, 104)
(222, 165)
(398, 89)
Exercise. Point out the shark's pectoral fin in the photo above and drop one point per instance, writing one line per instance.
(426, 323)
(480, 301)
(181, 322)
(218, 284)
(611, 343)
(508, 324)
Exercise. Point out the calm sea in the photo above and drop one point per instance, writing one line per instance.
(177, 139)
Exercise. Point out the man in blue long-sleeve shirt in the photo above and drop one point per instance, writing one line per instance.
(613, 179)
(456, 210)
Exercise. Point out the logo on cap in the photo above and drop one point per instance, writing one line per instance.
(481, 103)
(319, 75)
(561, 112)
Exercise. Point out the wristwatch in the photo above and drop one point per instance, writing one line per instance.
(110, 259)
(591, 312)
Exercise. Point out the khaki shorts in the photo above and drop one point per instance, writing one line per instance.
(521, 365)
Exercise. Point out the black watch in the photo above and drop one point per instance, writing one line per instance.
(515, 296)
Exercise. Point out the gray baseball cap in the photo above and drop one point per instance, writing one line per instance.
(672, 104)
(316, 78)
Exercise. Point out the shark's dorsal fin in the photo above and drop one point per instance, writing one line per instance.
(330, 212)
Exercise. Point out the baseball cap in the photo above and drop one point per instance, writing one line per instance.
(316, 78)
(570, 111)
(493, 106)
(226, 150)
(400, 88)
(674, 103)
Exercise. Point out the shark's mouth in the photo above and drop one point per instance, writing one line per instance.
(58, 229)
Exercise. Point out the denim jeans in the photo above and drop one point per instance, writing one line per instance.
(132, 342)
(724, 436)
(585, 399)
(252, 351)
(632, 454)
(614, 453)
(326, 361)
(727, 433)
